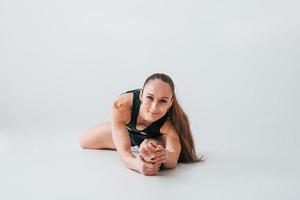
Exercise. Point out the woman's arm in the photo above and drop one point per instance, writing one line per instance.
(119, 116)
(169, 155)
(172, 149)
(122, 144)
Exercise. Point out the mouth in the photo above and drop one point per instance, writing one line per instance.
(153, 113)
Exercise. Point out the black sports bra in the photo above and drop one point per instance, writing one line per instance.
(151, 131)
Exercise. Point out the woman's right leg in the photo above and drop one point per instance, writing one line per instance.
(99, 137)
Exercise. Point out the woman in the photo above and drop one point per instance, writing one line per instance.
(150, 118)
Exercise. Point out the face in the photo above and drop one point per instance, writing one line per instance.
(156, 99)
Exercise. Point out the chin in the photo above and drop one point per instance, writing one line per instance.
(151, 117)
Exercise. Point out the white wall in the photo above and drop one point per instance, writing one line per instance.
(235, 64)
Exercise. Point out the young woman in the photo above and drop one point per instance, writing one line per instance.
(151, 119)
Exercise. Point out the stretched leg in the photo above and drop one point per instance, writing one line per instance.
(99, 137)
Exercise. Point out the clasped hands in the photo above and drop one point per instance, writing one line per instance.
(152, 155)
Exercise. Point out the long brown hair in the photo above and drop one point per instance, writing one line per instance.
(181, 123)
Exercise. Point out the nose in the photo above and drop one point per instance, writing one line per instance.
(154, 107)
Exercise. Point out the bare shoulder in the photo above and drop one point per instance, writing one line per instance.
(121, 108)
(124, 99)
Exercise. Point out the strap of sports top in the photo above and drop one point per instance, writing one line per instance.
(135, 108)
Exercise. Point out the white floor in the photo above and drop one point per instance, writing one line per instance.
(50, 165)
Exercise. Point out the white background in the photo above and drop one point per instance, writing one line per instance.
(235, 65)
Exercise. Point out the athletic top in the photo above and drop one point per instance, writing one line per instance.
(151, 131)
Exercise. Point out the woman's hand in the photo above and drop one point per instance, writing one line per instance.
(148, 169)
(160, 155)
(147, 150)
(152, 152)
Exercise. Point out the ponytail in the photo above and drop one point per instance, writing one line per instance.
(182, 125)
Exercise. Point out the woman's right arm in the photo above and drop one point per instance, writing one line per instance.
(119, 115)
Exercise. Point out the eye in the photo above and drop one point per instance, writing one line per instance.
(149, 98)
(163, 101)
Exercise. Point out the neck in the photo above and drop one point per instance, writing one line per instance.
(142, 121)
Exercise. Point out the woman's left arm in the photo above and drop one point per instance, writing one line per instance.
(169, 155)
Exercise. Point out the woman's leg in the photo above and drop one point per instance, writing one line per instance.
(99, 137)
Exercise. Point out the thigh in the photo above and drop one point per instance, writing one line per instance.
(98, 137)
